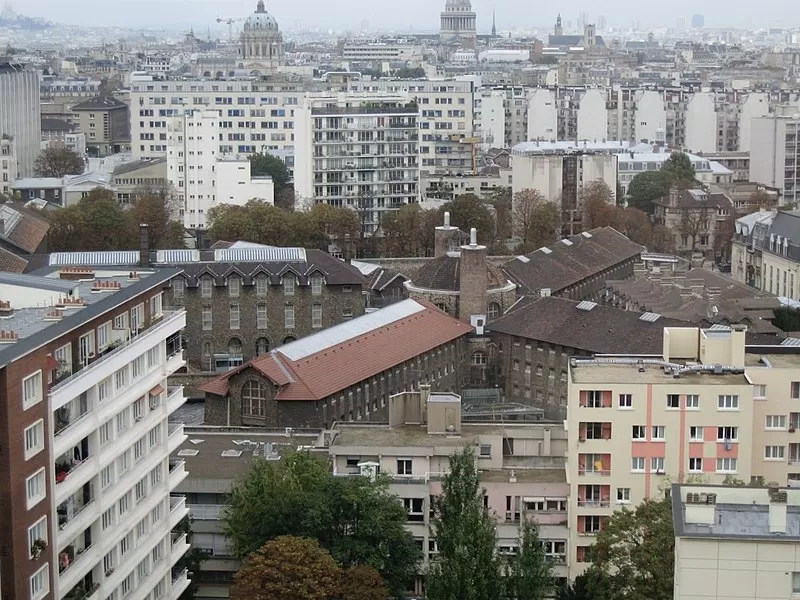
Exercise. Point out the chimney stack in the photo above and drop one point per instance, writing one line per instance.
(472, 273)
(144, 245)
(445, 237)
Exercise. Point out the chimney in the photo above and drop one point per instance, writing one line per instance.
(473, 271)
(144, 245)
(445, 237)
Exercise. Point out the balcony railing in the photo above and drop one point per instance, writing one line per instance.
(178, 574)
(70, 556)
(82, 592)
(64, 417)
(167, 317)
(65, 469)
(67, 513)
(206, 512)
(594, 472)
(594, 503)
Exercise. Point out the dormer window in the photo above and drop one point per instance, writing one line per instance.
(206, 287)
(316, 284)
(288, 285)
(261, 284)
(234, 285)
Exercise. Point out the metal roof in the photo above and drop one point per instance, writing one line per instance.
(93, 259)
(650, 317)
(263, 254)
(586, 305)
(349, 329)
(42, 283)
(790, 341)
(177, 256)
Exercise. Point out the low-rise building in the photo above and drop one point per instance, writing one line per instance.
(130, 178)
(106, 123)
(693, 217)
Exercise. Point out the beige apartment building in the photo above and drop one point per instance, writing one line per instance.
(521, 467)
(733, 543)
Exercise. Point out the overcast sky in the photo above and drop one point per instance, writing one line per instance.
(403, 14)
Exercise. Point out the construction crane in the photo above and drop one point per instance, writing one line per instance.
(230, 21)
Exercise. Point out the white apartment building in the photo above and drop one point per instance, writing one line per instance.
(90, 512)
(490, 118)
(8, 164)
(630, 164)
(382, 52)
(20, 114)
(775, 154)
(202, 177)
(359, 151)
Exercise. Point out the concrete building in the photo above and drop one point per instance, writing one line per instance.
(20, 114)
(200, 176)
(746, 248)
(780, 256)
(358, 151)
(542, 116)
(521, 467)
(593, 116)
(775, 154)
(345, 373)
(693, 218)
(8, 164)
(735, 542)
(131, 178)
(458, 24)
(74, 142)
(105, 121)
(86, 479)
(490, 118)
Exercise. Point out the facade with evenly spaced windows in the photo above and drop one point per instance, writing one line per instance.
(85, 476)
(241, 302)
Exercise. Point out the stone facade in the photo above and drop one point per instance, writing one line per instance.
(364, 401)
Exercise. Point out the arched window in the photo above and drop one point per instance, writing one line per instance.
(262, 346)
(494, 310)
(288, 339)
(254, 399)
(208, 349)
(235, 346)
(479, 358)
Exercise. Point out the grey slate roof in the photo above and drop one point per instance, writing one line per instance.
(136, 165)
(100, 103)
(785, 225)
(37, 282)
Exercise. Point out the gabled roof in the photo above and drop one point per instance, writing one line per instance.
(100, 103)
(21, 228)
(11, 263)
(572, 260)
(696, 199)
(332, 360)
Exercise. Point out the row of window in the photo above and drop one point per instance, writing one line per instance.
(235, 318)
(595, 398)
(234, 283)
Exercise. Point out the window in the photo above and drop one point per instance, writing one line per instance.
(34, 439)
(637, 464)
(316, 285)
(493, 311)
(254, 399)
(404, 466)
(288, 285)
(726, 465)
(155, 436)
(31, 390)
(594, 399)
(776, 422)
(104, 389)
(479, 358)
(774, 452)
(206, 318)
(153, 357)
(415, 509)
(759, 391)
(123, 462)
(695, 465)
(206, 287)
(673, 401)
(639, 432)
(592, 524)
(796, 583)
(106, 432)
(124, 504)
(316, 316)
(140, 490)
(139, 449)
(121, 321)
(728, 402)
(692, 401)
(234, 286)
(178, 287)
(122, 421)
(261, 285)
(40, 583)
(695, 434)
(35, 488)
(658, 432)
(103, 333)
(125, 544)
(137, 367)
(108, 519)
(623, 495)
(121, 378)
(626, 400)
(795, 390)
(107, 476)
(261, 316)
(657, 464)
(288, 316)
(37, 531)
(155, 476)
(486, 450)
(234, 319)
(727, 433)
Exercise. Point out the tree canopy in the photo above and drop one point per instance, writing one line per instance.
(267, 164)
(355, 518)
(648, 186)
(409, 231)
(57, 161)
(468, 211)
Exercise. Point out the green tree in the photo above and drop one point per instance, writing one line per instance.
(592, 585)
(267, 164)
(156, 210)
(528, 574)
(96, 222)
(467, 567)
(468, 211)
(57, 161)
(362, 583)
(257, 221)
(545, 227)
(192, 560)
(287, 568)
(409, 231)
(679, 171)
(787, 319)
(645, 188)
(500, 199)
(636, 552)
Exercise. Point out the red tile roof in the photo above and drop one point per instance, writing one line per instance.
(341, 365)
(11, 263)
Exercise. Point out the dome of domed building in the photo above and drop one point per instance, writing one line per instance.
(459, 280)
(261, 43)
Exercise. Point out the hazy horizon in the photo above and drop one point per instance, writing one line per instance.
(401, 16)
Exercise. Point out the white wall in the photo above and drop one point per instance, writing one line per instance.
(542, 116)
(755, 105)
(651, 115)
(701, 123)
(492, 122)
(593, 116)
(767, 151)
(303, 148)
(235, 185)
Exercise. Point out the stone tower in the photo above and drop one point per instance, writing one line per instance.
(473, 279)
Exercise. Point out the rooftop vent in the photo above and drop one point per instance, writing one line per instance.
(586, 234)
(76, 273)
(5, 308)
(523, 259)
(545, 250)
(566, 242)
(69, 302)
(105, 285)
(586, 305)
(53, 315)
(8, 337)
(650, 317)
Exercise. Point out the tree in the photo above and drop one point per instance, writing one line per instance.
(636, 552)
(362, 583)
(287, 568)
(693, 223)
(678, 171)
(57, 161)
(467, 567)
(500, 199)
(156, 210)
(257, 221)
(468, 211)
(787, 319)
(356, 519)
(635, 224)
(591, 585)
(723, 237)
(524, 207)
(645, 188)
(192, 560)
(545, 227)
(267, 164)
(96, 222)
(528, 575)
(409, 231)
(599, 206)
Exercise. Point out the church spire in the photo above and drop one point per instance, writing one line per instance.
(494, 24)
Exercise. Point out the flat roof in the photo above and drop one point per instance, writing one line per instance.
(777, 361)
(616, 373)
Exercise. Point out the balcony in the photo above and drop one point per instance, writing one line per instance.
(590, 472)
(84, 590)
(76, 511)
(175, 399)
(175, 437)
(206, 512)
(180, 581)
(593, 503)
(71, 460)
(177, 510)
(177, 473)
(69, 414)
(75, 560)
(180, 545)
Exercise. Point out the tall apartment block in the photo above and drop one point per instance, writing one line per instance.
(775, 154)
(707, 409)
(20, 114)
(8, 163)
(359, 151)
(85, 476)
